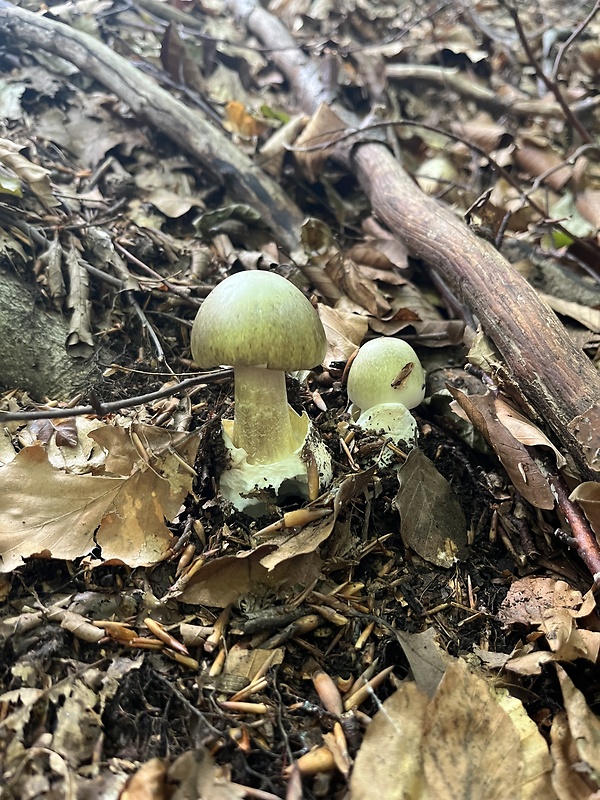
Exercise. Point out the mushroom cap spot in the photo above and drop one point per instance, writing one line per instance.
(376, 366)
(254, 319)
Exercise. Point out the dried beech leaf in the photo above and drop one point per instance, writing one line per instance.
(515, 458)
(194, 774)
(344, 332)
(587, 494)
(583, 723)
(178, 63)
(348, 276)
(128, 507)
(325, 127)
(389, 762)
(586, 316)
(524, 430)
(529, 598)
(586, 429)
(470, 746)
(537, 762)
(432, 521)
(567, 781)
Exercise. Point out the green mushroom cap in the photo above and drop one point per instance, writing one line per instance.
(256, 319)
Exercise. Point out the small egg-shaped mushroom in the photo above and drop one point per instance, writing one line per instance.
(386, 370)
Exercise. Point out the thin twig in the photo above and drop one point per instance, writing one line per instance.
(103, 409)
(584, 539)
(550, 84)
(575, 35)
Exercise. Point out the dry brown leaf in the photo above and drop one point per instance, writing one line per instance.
(54, 513)
(536, 161)
(483, 131)
(524, 430)
(148, 783)
(221, 582)
(583, 724)
(586, 316)
(324, 127)
(178, 63)
(471, 748)
(586, 429)
(529, 598)
(517, 461)
(537, 762)
(587, 494)
(195, 775)
(432, 520)
(567, 781)
(389, 763)
(348, 277)
(427, 658)
(344, 332)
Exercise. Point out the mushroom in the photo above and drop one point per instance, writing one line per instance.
(263, 326)
(386, 370)
(385, 380)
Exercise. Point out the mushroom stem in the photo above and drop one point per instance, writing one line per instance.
(262, 424)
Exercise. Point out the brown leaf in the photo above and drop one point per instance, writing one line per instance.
(55, 513)
(389, 762)
(432, 521)
(178, 63)
(515, 458)
(344, 332)
(347, 275)
(148, 783)
(470, 746)
(587, 494)
(586, 429)
(583, 724)
(325, 127)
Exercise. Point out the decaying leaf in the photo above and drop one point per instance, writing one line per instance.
(467, 742)
(344, 331)
(50, 512)
(432, 521)
(515, 458)
(584, 726)
(324, 127)
(194, 774)
(389, 762)
(554, 608)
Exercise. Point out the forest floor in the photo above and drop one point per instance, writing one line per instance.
(421, 629)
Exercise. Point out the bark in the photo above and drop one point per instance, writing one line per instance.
(33, 355)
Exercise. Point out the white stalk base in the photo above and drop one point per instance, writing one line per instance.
(256, 488)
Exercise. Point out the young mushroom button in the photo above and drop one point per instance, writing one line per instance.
(386, 370)
(263, 326)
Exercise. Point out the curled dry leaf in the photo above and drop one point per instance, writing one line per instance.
(50, 512)
(324, 127)
(344, 332)
(516, 459)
